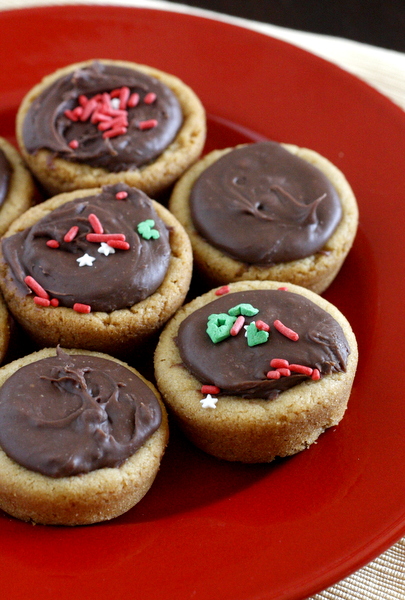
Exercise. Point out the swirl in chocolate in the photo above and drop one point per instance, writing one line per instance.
(46, 124)
(263, 205)
(71, 414)
(242, 370)
(109, 278)
(5, 176)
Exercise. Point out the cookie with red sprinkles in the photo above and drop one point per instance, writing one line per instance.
(100, 269)
(256, 370)
(103, 121)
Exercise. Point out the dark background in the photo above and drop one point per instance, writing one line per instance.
(377, 22)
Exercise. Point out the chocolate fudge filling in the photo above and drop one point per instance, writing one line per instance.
(262, 205)
(71, 414)
(237, 368)
(76, 139)
(80, 270)
(5, 176)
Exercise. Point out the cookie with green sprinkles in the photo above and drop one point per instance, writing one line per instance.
(256, 370)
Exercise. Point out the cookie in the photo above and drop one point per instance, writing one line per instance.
(16, 185)
(103, 122)
(82, 437)
(258, 372)
(267, 211)
(99, 269)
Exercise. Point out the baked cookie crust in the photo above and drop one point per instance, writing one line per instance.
(64, 176)
(80, 499)
(21, 189)
(118, 332)
(257, 430)
(314, 272)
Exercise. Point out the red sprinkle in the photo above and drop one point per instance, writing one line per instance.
(99, 116)
(95, 223)
(71, 115)
(301, 369)
(54, 302)
(149, 98)
(89, 107)
(41, 301)
(120, 245)
(273, 375)
(315, 375)
(279, 363)
(121, 195)
(104, 237)
(36, 287)
(71, 234)
(81, 308)
(120, 121)
(78, 111)
(83, 100)
(237, 326)
(114, 132)
(222, 290)
(284, 289)
(52, 243)
(73, 144)
(210, 389)
(284, 372)
(133, 100)
(262, 325)
(125, 92)
(149, 124)
(289, 333)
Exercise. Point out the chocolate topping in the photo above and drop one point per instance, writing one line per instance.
(239, 369)
(113, 281)
(263, 205)
(5, 175)
(46, 126)
(72, 414)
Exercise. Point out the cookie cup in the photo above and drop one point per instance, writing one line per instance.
(118, 332)
(21, 189)
(315, 272)
(64, 176)
(79, 499)
(258, 430)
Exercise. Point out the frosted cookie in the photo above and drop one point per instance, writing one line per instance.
(258, 372)
(4, 329)
(102, 122)
(267, 211)
(81, 437)
(99, 269)
(16, 185)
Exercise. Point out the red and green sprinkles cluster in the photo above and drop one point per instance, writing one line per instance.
(224, 325)
(109, 243)
(109, 112)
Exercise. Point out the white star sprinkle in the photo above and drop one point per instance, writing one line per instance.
(86, 260)
(209, 402)
(106, 249)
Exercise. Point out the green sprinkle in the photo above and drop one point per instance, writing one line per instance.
(219, 326)
(247, 310)
(145, 230)
(256, 336)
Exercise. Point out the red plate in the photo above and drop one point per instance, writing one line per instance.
(208, 529)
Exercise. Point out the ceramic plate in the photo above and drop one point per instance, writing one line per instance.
(208, 529)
